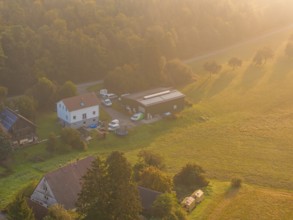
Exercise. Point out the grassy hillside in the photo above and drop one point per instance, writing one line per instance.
(240, 124)
(249, 202)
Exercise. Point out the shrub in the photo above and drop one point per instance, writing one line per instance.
(190, 176)
(236, 182)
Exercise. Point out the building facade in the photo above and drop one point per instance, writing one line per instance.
(78, 111)
(155, 102)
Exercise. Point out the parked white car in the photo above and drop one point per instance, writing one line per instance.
(113, 125)
(107, 102)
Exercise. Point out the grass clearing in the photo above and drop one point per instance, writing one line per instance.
(249, 202)
(95, 88)
(47, 123)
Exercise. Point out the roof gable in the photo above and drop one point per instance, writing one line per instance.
(65, 182)
(147, 196)
(80, 102)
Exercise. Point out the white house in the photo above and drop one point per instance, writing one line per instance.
(79, 111)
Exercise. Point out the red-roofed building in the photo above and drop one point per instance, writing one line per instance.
(78, 111)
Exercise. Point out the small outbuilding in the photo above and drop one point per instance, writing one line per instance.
(188, 203)
(154, 102)
(198, 195)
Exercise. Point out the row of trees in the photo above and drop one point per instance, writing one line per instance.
(109, 190)
(80, 40)
(41, 96)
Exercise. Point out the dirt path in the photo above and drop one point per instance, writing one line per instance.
(82, 87)
(252, 40)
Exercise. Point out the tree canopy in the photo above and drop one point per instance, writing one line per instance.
(5, 148)
(108, 190)
(152, 178)
(190, 176)
(166, 207)
(84, 40)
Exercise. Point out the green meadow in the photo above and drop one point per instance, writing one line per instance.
(240, 124)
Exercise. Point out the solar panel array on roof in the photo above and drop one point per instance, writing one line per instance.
(7, 118)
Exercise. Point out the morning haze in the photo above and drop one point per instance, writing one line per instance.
(146, 109)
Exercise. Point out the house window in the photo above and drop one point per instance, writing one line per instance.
(94, 112)
(74, 117)
(46, 197)
(84, 116)
(66, 117)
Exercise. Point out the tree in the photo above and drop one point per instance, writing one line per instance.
(146, 159)
(212, 67)
(125, 79)
(19, 210)
(177, 72)
(26, 106)
(44, 92)
(236, 182)
(108, 190)
(289, 49)
(57, 212)
(166, 207)
(262, 55)
(92, 199)
(3, 93)
(153, 178)
(52, 143)
(123, 190)
(235, 62)
(190, 176)
(5, 148)
(68, 89)
(72, 138)
(151, 159)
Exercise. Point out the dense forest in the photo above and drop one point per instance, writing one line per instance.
(122, 41)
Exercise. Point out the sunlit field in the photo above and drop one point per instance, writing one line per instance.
(240, 124)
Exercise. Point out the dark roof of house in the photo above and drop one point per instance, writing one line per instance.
(39, 211)
(65, 182)
(81, 101)
(155, 96)
(9, 117)
(147, 196)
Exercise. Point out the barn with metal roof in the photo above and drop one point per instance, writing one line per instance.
(155, 102)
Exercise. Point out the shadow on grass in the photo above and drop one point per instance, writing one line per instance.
(232, 192)
(221, 83)
(251, 77)
(199, 91)
(281, 69)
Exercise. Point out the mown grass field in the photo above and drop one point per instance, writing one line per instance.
(240, 124)
(247, 203)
